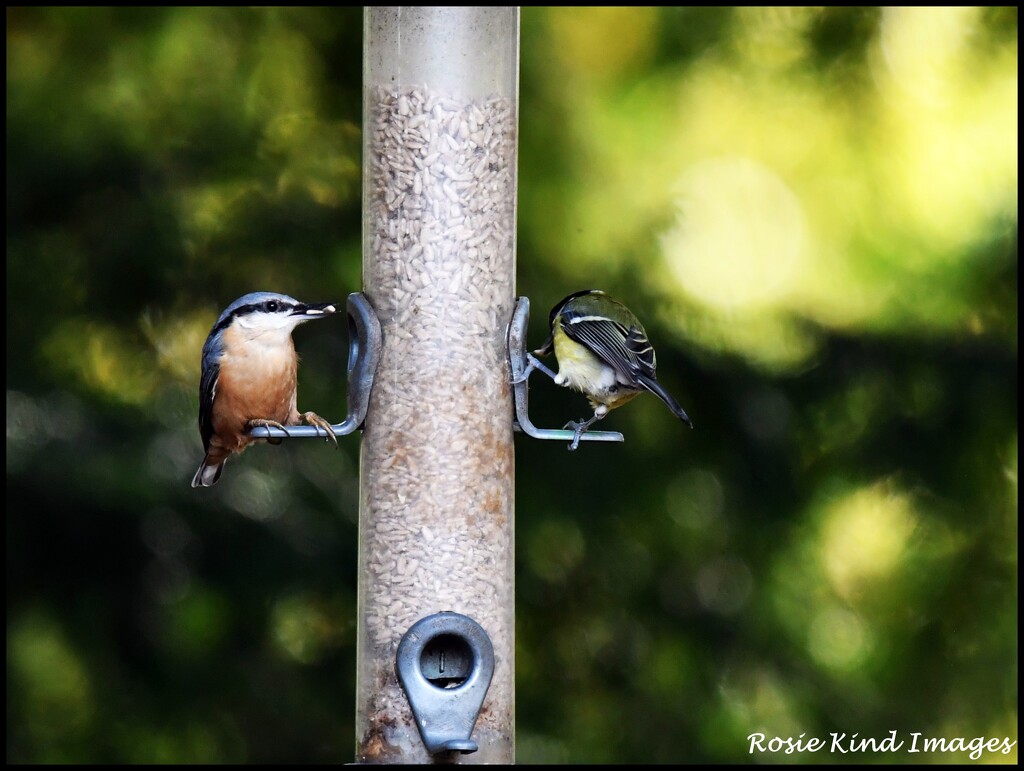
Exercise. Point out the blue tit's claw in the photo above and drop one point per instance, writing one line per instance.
(532, 363)
(578, 429)
(536, 363)
(530, 367)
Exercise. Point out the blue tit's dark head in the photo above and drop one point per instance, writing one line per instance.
(549, 344)
(566, 300)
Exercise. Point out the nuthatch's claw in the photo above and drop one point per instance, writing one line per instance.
(317, 422)
(254, 422)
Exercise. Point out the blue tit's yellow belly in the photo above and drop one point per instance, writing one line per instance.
(582, 371)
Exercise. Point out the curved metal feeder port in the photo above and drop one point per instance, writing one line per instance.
(445, 663)
(364, 345)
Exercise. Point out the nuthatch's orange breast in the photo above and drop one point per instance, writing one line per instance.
(257, 379)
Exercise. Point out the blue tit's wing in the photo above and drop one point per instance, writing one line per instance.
(626, 350)
(640, 347)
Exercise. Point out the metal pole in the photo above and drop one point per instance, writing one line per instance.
(437, 464)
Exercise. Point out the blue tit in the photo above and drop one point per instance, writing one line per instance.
(603, 352)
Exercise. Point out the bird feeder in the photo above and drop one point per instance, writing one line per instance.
(436, 547)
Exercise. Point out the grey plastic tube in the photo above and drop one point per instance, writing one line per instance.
(437, 464)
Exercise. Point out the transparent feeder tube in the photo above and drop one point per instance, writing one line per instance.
(437, 463)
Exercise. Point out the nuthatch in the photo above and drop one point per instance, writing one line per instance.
(602, 351)
(249, 375)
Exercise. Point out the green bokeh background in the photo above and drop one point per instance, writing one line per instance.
(813, 210)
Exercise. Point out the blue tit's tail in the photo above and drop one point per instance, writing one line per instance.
(208, 473)
(658, 390)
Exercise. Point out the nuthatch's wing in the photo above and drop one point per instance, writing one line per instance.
(207, 393)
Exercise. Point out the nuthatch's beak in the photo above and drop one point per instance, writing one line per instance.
(314, 310)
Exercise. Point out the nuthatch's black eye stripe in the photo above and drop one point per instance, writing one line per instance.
(271, 306)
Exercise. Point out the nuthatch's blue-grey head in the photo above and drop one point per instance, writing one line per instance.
(266, 313)
(249, 375)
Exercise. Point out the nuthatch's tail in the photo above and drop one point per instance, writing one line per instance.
(658, 390)
(208, 473)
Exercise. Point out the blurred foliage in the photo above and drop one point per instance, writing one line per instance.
(814, 209)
